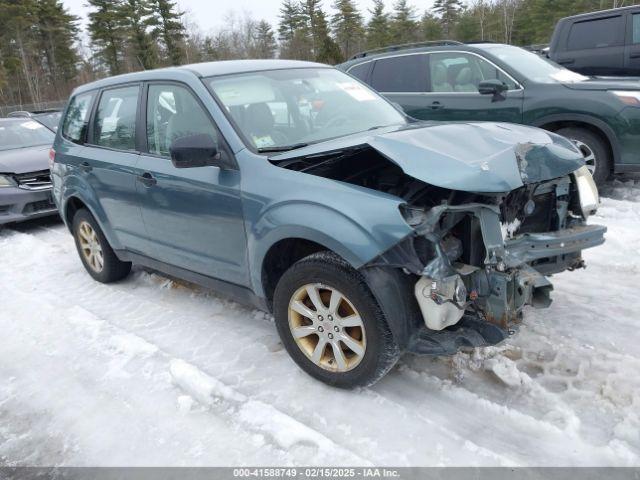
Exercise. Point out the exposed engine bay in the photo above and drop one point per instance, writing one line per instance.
(477, 258)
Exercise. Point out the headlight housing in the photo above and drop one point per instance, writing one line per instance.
(6, 181)
(628, 97)
(587, 191)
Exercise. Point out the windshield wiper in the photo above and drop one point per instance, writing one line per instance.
(283, 148)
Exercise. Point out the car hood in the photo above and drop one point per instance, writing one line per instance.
(473, 157)
(24, 160)
(606, 83)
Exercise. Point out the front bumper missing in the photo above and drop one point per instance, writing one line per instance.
(514, 269)
(536, 246)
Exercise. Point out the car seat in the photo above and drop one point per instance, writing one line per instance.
(439, 81)
(464, 81)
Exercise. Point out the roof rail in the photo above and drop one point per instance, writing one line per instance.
(393, 48)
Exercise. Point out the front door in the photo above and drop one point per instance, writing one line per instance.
(452, 91)
(193, 216)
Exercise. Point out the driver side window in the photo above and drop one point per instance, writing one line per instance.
(462, 72)
(173, 112)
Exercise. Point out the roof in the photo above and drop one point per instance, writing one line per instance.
(601, 13)
(205, 69)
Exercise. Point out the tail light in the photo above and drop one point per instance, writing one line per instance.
(52, 158)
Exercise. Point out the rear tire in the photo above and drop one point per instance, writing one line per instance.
(96, 254)
(344, 309)
(595, 150)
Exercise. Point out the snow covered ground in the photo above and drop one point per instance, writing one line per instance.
(151, 372)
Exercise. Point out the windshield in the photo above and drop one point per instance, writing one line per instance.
(49, 119)
(533, 66)
(283, 109)
(23, 133)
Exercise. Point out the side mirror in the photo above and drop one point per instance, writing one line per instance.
(199, 150)
(493, 87)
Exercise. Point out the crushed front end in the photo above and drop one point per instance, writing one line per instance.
(479, 259)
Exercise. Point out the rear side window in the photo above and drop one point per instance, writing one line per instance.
(636, 28)
(360, 71)
(115, 122)
(75, 122)
(172, 113)
(599, 33)
(406, 73)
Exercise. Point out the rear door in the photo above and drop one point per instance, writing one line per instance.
(193, 216)
(403, 80)
(110, 163)
(595, 46)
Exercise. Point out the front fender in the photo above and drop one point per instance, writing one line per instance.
(357, 242)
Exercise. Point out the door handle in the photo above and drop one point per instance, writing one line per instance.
(436, 106)
(86, 167)
(567, 61)
(635, 55)
(147, 179)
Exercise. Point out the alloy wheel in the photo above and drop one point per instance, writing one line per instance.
(90, 247)
(589, 155)
(327, 328)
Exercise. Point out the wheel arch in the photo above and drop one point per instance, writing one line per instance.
(282, 226)
(73, 201)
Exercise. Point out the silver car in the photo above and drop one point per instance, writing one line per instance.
(25, 183)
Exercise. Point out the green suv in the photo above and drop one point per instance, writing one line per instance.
(450, 81)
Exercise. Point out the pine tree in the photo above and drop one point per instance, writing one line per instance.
(290, 20)
(448, 12)
(265, 41)
(315, 26)
(293, 40)
(56, 31)
(348, 27)
(137, 17)
(403, 26)
(107, 33)
(431, 27)
(378, 26)
(169, 30)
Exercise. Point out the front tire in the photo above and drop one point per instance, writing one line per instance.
(95, 252)
(595, 151)
(331, 324)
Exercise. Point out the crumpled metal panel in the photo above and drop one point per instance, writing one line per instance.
(473, 157)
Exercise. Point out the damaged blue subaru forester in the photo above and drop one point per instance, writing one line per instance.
(294, 188)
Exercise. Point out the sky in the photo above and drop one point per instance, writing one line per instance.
(209, 14)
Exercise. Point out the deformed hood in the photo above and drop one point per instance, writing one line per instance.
(24, 160)
(476, 157)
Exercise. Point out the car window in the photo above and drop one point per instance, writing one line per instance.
(21, 133)
(115, 122)
(406, 73)
(599, 33)
(636, 28)
(531, 65)
(462, 72)
(173, 112)
(360, 71)
(49, 119)
(279, 109)
(77, 117)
